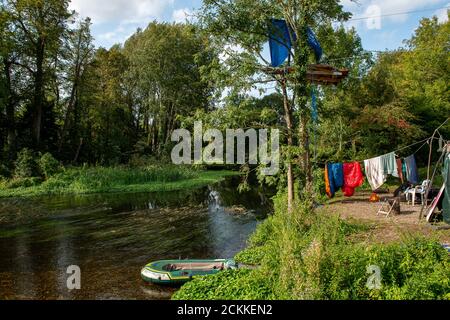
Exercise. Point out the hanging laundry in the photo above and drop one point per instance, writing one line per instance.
(334, 178)
(390, 165)
(338, 175)
(353, 178)
(329, 187)
(374, 172)
(412, 174)
(378, 169)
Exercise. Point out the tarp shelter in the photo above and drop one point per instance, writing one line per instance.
(446, 203)
(280, 42)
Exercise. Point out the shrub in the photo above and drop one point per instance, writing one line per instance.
(23, 182)
(310, 255)
(25, 165)
(48, 165)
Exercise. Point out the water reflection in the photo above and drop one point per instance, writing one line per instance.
(112, 236)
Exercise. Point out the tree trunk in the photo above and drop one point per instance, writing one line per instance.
(10, 110)
(38, 98)
(301, 93)
(289, 124)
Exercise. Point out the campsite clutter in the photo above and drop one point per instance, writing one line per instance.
(349, 176)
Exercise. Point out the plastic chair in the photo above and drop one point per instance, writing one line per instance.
(422, 190)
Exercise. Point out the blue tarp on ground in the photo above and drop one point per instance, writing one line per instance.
(280, 42)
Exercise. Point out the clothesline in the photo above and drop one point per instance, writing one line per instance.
(424, 141)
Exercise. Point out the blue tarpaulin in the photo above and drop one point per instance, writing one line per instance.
(280, 42)
(314, 44)
(315, 111)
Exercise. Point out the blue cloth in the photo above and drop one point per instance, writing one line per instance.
(331, 179)
(280, 42)
(412, 174)
(338, 175)
(335, 177)
(314, 44)
(315, 111)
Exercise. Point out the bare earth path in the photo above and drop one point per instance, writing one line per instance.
(385, 229)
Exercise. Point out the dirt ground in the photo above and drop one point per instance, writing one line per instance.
(387, 229)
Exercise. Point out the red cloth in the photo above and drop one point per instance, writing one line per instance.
(353, 178)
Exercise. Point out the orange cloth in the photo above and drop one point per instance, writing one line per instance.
(327, 182)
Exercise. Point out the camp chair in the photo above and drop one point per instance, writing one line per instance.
(387, 207)
(413, 191)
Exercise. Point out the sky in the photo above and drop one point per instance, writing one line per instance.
(115, 20)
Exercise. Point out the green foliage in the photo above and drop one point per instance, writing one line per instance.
(310, 255)
(85, 180)
(228, 285)
(48, 165)
(22, 183)
(25, 165)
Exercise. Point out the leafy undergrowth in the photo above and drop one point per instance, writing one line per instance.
(115, 179)
(310, 256)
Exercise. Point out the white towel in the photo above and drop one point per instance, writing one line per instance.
(378, 169)
(375, 172)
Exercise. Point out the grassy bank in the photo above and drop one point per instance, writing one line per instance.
(111, 180)
(308, 255)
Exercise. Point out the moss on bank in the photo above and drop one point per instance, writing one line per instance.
(312, 256)
(112, 180)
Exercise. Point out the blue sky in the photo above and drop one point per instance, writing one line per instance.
(115, 20)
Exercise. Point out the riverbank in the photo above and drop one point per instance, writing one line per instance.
(324, 254)
(91, 180)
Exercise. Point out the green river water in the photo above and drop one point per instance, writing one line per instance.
(111, 237)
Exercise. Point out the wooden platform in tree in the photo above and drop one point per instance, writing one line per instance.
(322, 74)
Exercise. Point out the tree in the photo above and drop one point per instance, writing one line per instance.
(37, 26)
(79, 53)
(244, 24)
(165, 78)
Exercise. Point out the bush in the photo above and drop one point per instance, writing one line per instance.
(48, 165)
(25, 165)
(310, 255)
(23, 182)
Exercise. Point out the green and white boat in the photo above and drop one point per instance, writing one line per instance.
(178, 272)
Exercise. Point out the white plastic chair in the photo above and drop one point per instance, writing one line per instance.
(422, 190)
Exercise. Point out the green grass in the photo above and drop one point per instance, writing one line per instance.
(307, 255)
(113, 180)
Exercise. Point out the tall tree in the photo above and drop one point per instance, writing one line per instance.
(245, 24)
(38, 26)
(79, 51)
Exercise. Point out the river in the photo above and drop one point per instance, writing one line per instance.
(112, 236)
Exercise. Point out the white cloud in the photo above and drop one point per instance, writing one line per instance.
(133, 11)
(442, 14)
(388, 7)
(390, 10)
(182, 15)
